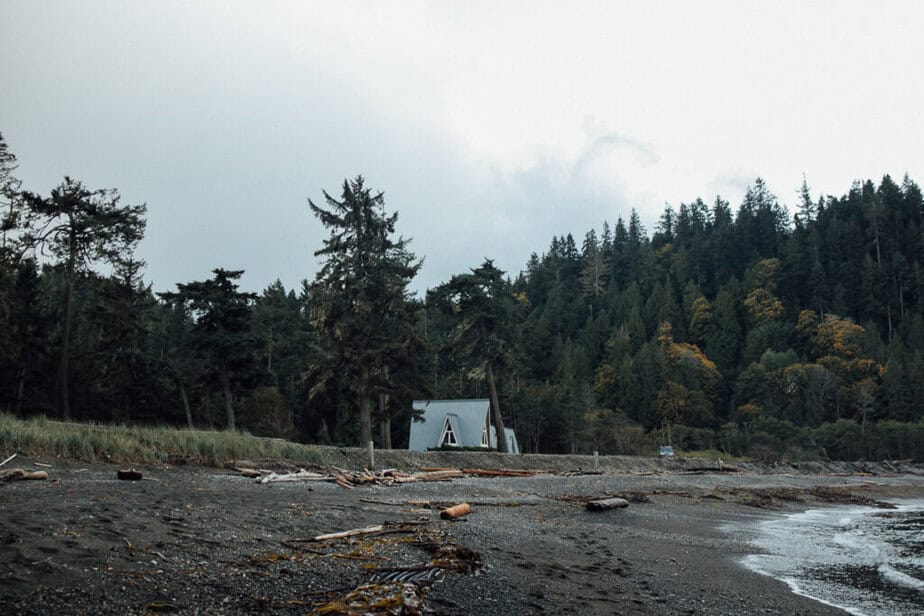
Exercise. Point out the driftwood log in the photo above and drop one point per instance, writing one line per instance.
(379, 529)
(369, 530)
(484, 472)
(607, 503)
(301, 475)
(456, 511)
(388, 477)
(18, 474)
(129, 475)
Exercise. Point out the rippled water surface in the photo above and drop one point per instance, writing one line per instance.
(864, 560)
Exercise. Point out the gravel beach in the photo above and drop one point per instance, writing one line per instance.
(196, 540)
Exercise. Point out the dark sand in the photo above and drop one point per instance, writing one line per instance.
(199, 540)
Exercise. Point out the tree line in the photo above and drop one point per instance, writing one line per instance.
(758, 330)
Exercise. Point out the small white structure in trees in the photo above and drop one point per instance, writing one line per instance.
(456, 423)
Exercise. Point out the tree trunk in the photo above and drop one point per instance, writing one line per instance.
(365, 421)
(385, 424)
(889, 313)
(323, 433)
(386, 433)
(207, 406)
(229, 404)
(20, 390)
(64, 407)
(189, 418)
(495, 410)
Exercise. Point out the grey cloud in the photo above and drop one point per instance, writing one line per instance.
(225, 151)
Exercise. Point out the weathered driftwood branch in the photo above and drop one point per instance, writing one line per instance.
(369, 530)
(8, 459)
(607, 503)
(342, 481)
(405, 526)
(300, 475)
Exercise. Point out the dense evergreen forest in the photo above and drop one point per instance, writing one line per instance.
(756, 330)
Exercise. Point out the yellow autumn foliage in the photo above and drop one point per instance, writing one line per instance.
(521, 298)
(685, 355)
(763, 306)
(839, 336)
(807, 323)
(700, 317)
(764, 274)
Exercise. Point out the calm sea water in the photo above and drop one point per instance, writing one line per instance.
(865, 560)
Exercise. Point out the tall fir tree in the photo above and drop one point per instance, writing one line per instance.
(79, 227)
(359, 302)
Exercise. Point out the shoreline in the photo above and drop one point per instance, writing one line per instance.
(841, 536)
(203, 540)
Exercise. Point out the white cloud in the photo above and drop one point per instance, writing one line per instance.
(491, 126)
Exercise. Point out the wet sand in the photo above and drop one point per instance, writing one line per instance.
(200, 540)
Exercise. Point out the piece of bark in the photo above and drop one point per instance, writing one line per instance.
(456, 511)
(249, 472)
(607, 503)
(129, 475)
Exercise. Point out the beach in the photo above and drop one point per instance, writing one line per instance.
(196, 540)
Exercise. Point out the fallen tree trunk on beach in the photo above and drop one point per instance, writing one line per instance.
(607, 503)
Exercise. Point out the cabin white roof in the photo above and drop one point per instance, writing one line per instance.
(467, 419)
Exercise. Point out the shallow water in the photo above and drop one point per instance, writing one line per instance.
(865, 560)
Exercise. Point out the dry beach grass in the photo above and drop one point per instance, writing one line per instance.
(91, 442)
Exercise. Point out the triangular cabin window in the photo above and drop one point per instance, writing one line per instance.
(484, 437)
(449, 437)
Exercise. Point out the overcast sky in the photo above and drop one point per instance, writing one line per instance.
(490, 126)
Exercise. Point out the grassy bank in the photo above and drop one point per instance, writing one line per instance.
(90, 442)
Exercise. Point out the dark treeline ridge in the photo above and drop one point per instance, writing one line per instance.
(755, 331)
